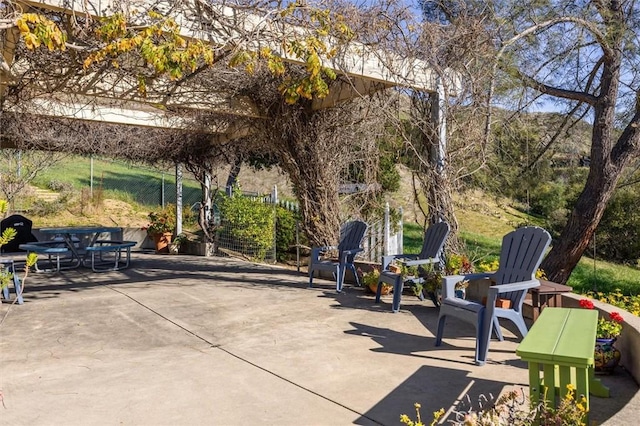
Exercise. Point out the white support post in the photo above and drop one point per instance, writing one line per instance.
(438, 117)
(387, 231)
(400, 233)
(178, 198)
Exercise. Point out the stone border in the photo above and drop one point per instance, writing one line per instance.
(629, 345)
(629, 341)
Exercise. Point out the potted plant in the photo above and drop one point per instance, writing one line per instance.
(370, 280)
(606, 356)
(176, 243)
(160, 228)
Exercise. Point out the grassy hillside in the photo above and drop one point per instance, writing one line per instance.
(483, 221)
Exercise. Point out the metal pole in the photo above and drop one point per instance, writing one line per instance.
(91, 175)
(19, 165)
(162, 191)
(298, 244)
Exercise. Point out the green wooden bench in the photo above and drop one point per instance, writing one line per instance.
(560, 345)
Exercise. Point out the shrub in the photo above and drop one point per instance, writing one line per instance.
(617, 298)
(618, 234)
(47, 208)
(547, 198)
(59, 186)
(251, 224)
(162, 221)
(285, 232)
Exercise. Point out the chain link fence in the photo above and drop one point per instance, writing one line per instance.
(147, 186)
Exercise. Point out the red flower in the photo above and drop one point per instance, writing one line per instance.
(586, 303)
(614, 316)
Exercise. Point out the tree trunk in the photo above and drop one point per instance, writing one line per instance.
(582, 223)
(608, 161)
(312, 154)
(433, 175)
(316, 188)
(440, 204)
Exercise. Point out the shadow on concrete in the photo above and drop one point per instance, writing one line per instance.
(186, 270)
(433, 388)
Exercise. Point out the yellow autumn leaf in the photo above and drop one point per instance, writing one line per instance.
(22, 26)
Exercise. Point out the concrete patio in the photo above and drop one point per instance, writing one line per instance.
(187, 340)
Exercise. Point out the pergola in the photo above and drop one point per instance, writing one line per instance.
(111, 98)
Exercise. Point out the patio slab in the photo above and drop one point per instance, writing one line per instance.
(185, 340)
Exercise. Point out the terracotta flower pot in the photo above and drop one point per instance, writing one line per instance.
(386, 289)
(395, 269)
(162, 242)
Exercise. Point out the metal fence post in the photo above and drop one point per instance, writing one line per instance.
(162, 191)
(91, 175)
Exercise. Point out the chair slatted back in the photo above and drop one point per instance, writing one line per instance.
(434, 238)
(521, 255)
(351, 235)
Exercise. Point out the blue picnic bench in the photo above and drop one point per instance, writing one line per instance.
(116, 254)
(118, 251)
(52, 249)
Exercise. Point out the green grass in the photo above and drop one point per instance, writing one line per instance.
(606, 278)
(412, 237)
(119, 180)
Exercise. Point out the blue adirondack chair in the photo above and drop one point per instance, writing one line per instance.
(431, 254)
(521, 254)
(351, 236)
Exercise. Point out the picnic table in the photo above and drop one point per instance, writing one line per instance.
(82, 246)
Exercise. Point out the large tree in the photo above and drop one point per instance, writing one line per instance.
(584, 55)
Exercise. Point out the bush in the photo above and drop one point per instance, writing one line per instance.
(47, 208)
(285, 232)
(247, 224)
(511, 409)
(618, 234)
(547, 198)
(58, 186)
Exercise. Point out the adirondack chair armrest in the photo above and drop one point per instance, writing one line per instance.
(449, 285)
(386, 260)
(518, 286)
(353, 251)
(349, 253)
(417, 262)
(407, 259)
(316, 252)
(449, 282)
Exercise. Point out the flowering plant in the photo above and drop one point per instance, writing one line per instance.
(370, 280)
(161, 222)
(607, 328)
